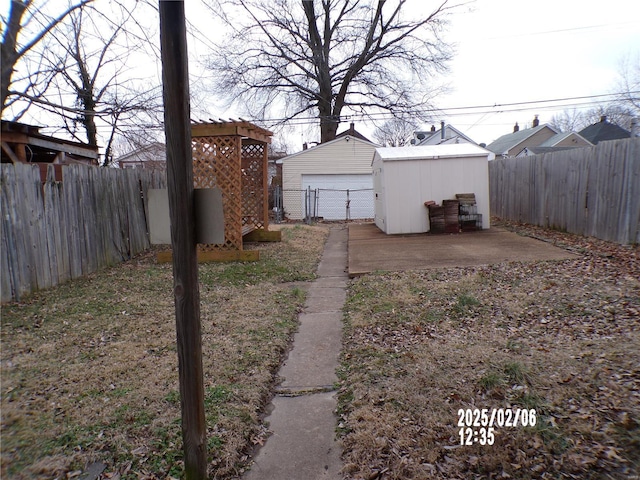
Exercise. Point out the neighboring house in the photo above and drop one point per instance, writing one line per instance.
(560, 141)
(274, 168)
(603, 130)
(512, 144)
(333, 168)
(22, 143)
(529, 151)
(447, 134)
(352, 132)
(152, 157)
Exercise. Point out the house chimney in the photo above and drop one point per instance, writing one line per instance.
(305, 146)
(516, 128)
(433, 128)
(536, 122)
(603, 118)
(352, 128)
(634, 128)
(442, 130)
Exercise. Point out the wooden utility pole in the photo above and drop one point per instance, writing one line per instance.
(175, 82)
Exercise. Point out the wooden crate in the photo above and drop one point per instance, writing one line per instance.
(451, 216)
(436, 218)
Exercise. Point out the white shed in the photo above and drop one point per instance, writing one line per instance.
(406, 177)
(332, 168)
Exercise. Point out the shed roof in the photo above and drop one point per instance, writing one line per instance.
(432, 152)
(42, 148)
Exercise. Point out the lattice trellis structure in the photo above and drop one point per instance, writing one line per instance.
(254, 179)
(232, 156)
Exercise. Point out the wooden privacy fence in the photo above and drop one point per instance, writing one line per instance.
(55, 231)
(591, 191)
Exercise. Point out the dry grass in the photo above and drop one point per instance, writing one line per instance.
(559, 337)
(89, 368)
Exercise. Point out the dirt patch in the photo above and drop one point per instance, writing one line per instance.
(89, 368)
(558, 338)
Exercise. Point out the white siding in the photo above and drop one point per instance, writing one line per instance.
(341, 156)
(405, 184)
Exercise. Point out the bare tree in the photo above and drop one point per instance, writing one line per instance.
(12, 50)
(617, 112)
(84, 79)
(394, 133)
(629, 85)
(91, 62)
(569, 120)
(320, 58)
(622, 110)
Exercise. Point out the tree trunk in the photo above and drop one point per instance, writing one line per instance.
(8, 55)
(328, 128)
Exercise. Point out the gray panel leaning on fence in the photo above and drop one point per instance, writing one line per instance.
(55, 231)
(592, 191)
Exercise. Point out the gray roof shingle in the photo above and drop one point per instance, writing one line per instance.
(604, 130)
(506, 142)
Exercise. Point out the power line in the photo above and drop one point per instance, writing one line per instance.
(496, 105)
(562, 30)
(474, 109)
(456, 111)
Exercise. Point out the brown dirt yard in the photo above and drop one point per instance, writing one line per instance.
(559, 338)
(89, 368)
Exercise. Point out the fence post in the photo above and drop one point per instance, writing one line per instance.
(348, 213)
(278, 203)
(307, 206)
(316, 203)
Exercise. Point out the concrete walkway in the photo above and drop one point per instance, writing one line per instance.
(302, 419)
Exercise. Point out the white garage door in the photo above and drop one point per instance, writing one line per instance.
(342, 196)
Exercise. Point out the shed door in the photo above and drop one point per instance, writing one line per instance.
(379, 199)
(337, 192)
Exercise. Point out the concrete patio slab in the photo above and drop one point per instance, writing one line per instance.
(370, 249)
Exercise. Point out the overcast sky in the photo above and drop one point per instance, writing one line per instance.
(522, 51)
(513, 51)
(507, 51)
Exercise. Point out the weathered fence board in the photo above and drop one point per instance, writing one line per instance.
(56, 231)
(589, 191)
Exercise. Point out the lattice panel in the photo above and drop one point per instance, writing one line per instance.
(254, 191)
(216, 163)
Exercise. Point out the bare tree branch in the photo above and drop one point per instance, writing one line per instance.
(11, 51)
(394, 133)
(331, 55)
(80, 73)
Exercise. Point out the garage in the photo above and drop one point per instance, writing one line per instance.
(339, 171)
(340, 197)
